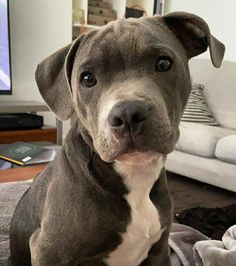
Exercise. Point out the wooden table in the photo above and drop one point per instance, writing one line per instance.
(21, 174)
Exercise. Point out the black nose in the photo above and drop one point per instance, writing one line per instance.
(128, 117)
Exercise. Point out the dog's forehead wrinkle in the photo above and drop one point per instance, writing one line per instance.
(100, 53)
(134, 42)
(140, 30)
(100, 35)
(127, 33)
(127, 36)
(123, 45)
(99, 39)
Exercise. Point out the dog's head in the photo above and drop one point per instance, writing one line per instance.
(128, 82)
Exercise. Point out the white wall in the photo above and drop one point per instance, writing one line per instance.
(220, 15)
(38, 28)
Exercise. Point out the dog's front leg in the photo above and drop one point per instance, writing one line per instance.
(159, 253)
(43, 252)
(39, 250)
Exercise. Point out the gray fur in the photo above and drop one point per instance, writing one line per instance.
(75, 211)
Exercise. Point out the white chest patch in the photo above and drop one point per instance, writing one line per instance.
(144, 228)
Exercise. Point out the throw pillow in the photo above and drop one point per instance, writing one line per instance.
(196, 109)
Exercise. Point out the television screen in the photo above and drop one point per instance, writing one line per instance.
(5, 69)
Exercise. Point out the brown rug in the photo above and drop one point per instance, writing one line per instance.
(212, 222)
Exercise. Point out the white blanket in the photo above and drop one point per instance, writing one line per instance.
(217, 253)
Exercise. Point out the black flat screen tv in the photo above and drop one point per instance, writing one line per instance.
(5, 60)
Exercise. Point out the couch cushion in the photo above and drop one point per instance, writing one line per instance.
(226, 149)
(220, 89)
(199, 139)
(196, 109)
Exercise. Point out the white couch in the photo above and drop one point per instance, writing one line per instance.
(208, 153)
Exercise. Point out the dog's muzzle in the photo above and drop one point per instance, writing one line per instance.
(134, 129)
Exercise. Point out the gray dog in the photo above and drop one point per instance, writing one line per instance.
(104, 199)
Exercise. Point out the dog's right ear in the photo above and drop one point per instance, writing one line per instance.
(53, 79)
(194, 34)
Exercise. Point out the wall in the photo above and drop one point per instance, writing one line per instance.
(220, 16)
(38, 28)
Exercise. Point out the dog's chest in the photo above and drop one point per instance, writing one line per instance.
(144, 228)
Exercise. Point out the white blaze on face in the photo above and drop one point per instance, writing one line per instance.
(104, 131)
(104, 113)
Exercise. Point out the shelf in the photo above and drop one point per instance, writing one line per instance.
(22, 106)
(81, 23)
(86, 26)
(32, 107)
(46, 133)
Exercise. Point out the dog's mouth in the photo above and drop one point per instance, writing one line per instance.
(140, 149)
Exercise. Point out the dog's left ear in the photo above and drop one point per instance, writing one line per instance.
(195, 35)
(53, 76)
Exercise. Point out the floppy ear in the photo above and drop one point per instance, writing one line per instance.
(195, 35)
(53, 79)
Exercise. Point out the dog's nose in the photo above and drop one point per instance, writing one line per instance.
(128, 117)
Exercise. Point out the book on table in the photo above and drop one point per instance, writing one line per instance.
(23, 153)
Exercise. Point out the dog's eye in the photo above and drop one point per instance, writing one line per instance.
(163, 63)
(87, 79)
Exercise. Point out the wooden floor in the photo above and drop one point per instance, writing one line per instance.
(188, 193)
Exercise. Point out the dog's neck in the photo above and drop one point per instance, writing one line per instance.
(141, 176)
(116, 177)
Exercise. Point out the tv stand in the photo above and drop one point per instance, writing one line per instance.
(30, 107)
